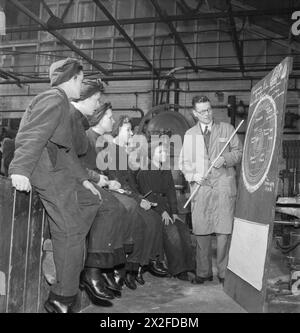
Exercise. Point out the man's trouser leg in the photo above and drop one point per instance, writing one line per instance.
(204, 256)
(223, 241)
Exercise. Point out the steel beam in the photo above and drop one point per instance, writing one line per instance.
(58, 36)
(170, 18)
(49, 11)
(235, 39)
(7, 76)
(150, 77)
(174, 32)
(125, 35)
(67, 9)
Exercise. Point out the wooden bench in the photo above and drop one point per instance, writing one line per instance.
(23, 229)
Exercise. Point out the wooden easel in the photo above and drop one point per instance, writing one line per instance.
(246, 276)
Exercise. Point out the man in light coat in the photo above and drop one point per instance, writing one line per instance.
(213, 205)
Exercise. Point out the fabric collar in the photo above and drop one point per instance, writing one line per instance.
(204, 125)
(79, 115)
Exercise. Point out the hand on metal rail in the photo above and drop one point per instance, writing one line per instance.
(21, 183)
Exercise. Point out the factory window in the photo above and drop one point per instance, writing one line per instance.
(15, 18)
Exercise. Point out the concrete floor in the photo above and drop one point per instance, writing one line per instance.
(170, 295)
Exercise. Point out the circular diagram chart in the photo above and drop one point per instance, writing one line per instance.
(259, 144)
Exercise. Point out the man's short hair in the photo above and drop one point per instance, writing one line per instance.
(199, 99)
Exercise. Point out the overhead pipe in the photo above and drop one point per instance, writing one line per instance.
(171, 18)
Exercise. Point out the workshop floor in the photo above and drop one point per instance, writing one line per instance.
(162, 295)
(169, 295)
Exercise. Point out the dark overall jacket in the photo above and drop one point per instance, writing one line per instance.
(45, 154)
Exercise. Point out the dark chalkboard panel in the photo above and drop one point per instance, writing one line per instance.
(255, 206)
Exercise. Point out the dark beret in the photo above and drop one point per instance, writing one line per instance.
(63, 70)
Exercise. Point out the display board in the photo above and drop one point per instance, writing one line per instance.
(249, 253)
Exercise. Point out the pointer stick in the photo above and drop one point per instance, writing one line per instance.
(213, 163)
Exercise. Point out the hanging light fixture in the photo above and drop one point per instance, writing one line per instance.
(2, 21)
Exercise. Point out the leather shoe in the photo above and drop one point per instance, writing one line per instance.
(201, 280)
(156, 269)
(120, 277)
(139, 276)
(54, 306)
(93, 283)
(130, 280)
(111, 284)
(183, 276)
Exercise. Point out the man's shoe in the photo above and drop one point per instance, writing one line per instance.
(183, 276)
(112, 284)
(55, 306)
(93, 283)
(157, 269)
(139, 276)
(130, 280)
(221, 280)
(201, 280)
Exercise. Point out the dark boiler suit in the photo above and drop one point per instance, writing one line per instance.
(44, 153)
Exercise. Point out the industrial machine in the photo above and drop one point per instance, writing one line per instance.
(286, 289)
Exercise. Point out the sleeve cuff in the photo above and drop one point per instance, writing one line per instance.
(227, 158)
(16, 171)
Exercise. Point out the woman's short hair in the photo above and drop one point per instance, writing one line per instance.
(90, 87)
(99, 114)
